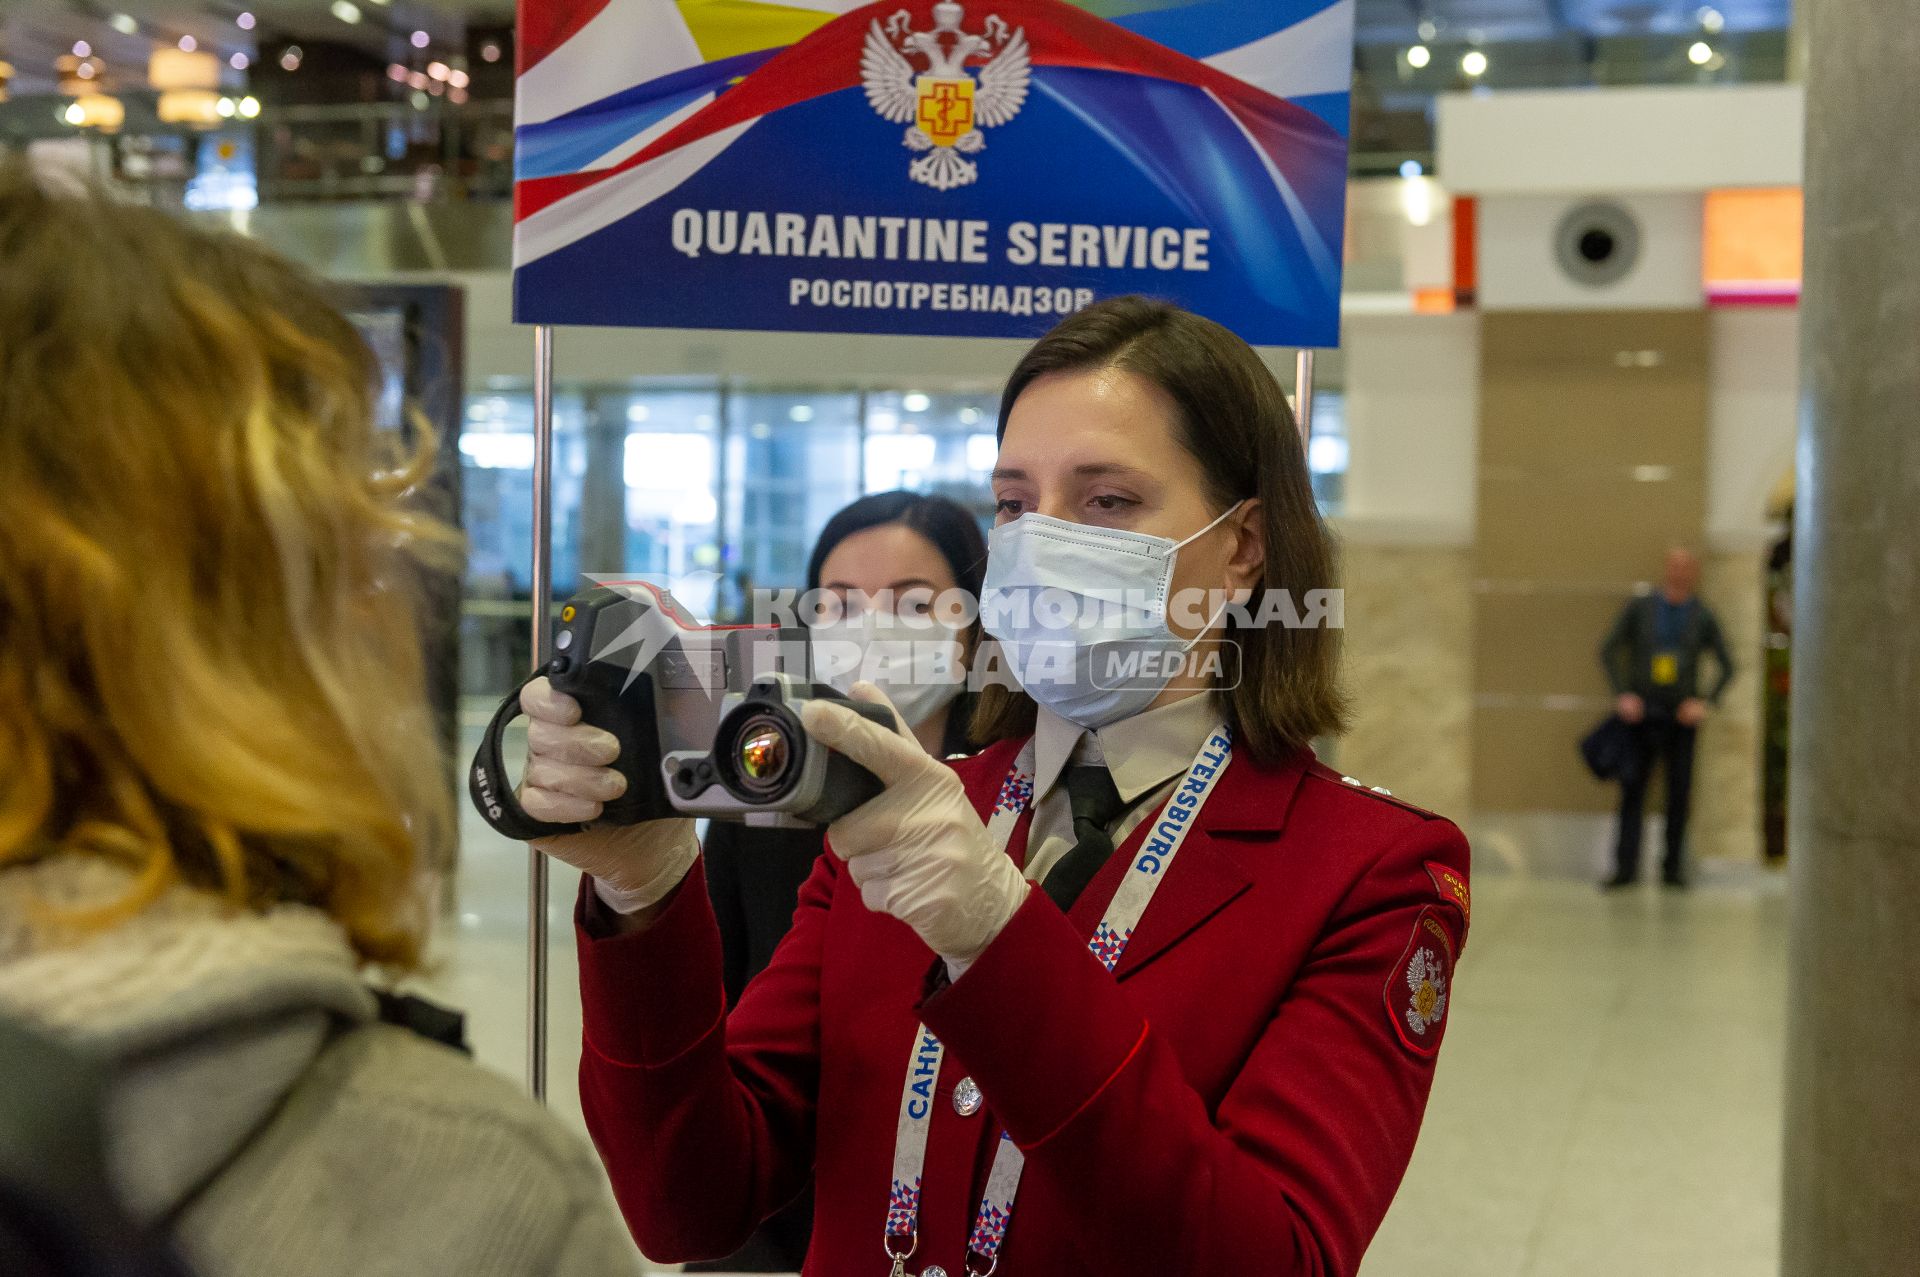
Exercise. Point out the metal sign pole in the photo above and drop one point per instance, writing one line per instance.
(1303, 394)
(542, 636)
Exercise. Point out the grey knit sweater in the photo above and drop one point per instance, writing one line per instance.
(262, 1115)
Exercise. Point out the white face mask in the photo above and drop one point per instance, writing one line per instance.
(1081, 613)
(916, 661)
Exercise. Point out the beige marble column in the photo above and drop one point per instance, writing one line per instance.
(1407, 662)
(1852, 1191)
(1725, 823)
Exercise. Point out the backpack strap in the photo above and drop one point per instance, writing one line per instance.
(425, 1019)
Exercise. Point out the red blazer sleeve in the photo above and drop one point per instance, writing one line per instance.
(705, 1122)
(1294, 1172)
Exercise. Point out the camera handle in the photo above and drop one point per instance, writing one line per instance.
(628, 717)
(492, 793)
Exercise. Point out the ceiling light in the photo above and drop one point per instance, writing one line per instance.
(1418, 56)
(239, 62)
(458, 79)
(290, 60)
(123, 24)
(225, 108)
(74, 114)
(489, 52)
(1712, 21)
(1411, 168)
(169, 68)
(1474, 63)
(195, 107)
(188, 44)
(421, 39)
(438, 70)
(245, 21)
(84, 70)
(347, 11)
(249, 107)
(98, 111)
(914, 401)
(81, 49)
(1700, 54)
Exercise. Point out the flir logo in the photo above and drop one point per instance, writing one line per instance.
(483, 785)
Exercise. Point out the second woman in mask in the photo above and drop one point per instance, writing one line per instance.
(883, 566)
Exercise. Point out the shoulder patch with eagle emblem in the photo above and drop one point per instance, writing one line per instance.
(1420, 986)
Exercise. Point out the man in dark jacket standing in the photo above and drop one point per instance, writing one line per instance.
(1652, 659)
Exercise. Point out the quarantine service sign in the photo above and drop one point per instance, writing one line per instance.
(954, 167)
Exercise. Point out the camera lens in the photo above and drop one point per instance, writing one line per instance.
(758, 754)
(763, 754)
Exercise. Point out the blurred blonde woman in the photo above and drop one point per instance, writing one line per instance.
(219, 786)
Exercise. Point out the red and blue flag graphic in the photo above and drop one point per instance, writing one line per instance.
(958, 167)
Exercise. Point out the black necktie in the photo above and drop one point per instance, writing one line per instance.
(1096, 805)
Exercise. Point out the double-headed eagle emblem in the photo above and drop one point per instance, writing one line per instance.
(945, 108)
(1427, 991)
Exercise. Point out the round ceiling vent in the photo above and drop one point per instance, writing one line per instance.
(1597, 244)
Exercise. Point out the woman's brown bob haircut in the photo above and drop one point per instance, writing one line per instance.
(1234, 420)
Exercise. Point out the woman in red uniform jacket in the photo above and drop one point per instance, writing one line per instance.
(1141, 989)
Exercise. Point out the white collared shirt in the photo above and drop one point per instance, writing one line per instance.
(1146, 755)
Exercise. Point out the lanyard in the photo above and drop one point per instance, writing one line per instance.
(1109, 941)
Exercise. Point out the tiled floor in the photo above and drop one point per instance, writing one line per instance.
(1608, 1101)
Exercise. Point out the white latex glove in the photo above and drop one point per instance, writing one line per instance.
(917, 851)
(569, 777)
